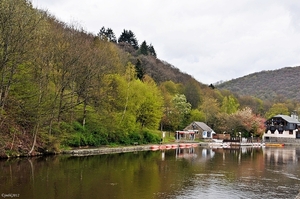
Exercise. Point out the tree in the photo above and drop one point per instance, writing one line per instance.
(210, 108)
(151, 50)
(128, 36)
(107, 35)
(66, 60)
(139, 69)
(229, 104)
(252, 102)
(179, 111)
(150, 111)
(196, 115)
(278, 108)
(22, 32)
(192, 93)
(18, 30)
(144, 48)
(243, 121)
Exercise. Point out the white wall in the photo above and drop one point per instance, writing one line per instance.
(285, 134)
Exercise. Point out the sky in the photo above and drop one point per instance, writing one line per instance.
(212, 41)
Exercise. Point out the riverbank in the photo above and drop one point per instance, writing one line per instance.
(106, 150)
(119, 149)
(122, 149)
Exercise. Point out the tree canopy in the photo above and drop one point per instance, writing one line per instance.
(128, 36)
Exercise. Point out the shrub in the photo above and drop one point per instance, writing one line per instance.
(150, 137)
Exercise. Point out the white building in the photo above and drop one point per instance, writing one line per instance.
(282, 127)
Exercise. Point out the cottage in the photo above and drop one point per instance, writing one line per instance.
(201, 130)
(282, 128)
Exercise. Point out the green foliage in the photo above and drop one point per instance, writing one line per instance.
(210, 107)
(151, 51)
(179, 111)
(147, 50)
(229, 104)
(107, 34)
(144, 48)
(278, 108)
(128, 36)
(150, 137)
(196, 115)
(140, 71)
(149, 112)
(192, 93)
(84, 136)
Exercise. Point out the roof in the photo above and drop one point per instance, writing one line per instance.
(287, 118)
(203, 126)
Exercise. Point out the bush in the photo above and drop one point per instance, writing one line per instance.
(135, 137)
(150, 137)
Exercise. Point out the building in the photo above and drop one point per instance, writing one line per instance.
(282, 128)
(201, 130)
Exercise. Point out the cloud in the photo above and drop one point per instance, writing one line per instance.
(211, 40)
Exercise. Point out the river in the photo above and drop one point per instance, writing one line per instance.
(177, 173)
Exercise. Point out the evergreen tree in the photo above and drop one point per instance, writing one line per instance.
(144, 48)
(128, 36)
(151, 50)
(107, 34)
(140, 72)
(111, 35)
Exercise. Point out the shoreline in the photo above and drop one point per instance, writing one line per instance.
(112, 150)
(121, 149)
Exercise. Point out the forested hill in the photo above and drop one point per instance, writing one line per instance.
(281, 84)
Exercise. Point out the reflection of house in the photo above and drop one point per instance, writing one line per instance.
(203, 131)
(282, 128)
(280, 155)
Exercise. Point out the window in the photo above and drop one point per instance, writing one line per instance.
(291, 132)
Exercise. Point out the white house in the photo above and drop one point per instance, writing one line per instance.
(202, 130)
(282, 127)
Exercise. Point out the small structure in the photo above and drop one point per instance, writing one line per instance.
(282, 128)
(222, 136)
(186, 135)
(201, 129)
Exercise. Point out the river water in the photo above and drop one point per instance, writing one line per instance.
(177, 173)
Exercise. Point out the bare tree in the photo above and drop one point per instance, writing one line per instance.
(18, 29)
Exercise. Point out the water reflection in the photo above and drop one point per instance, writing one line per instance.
(245, 172)
(282, 155)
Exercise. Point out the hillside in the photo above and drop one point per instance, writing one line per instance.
(267, 85)
(156, 68)
(63, 87)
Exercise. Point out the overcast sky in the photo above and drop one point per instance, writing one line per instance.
(210, 40)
